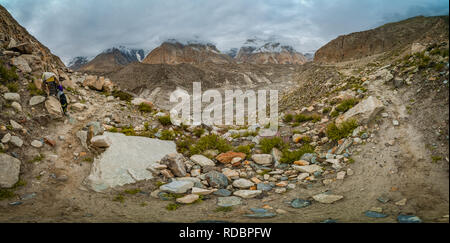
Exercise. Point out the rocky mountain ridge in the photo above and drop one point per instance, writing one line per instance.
(388, 37)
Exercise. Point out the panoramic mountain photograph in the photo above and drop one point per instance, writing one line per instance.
(237, 111)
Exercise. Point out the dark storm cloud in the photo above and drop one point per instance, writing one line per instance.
(83, 27)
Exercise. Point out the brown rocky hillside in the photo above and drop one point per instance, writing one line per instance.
(385, 38)
(176, 53)
(17, 39)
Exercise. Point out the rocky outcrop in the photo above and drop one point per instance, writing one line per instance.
(385, 38)
(176, 53)
(18, 40)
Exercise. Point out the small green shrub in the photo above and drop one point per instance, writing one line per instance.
(335, 113)
(132, 191)
(183, 145)
(267, 144)
(223, 209)
(37, 158)
(119, 198)
(172, 206)
(122, 95)
(304, 118)
(291, 156)
(167, 135)
(12, 86)
(246, 149)
(435, 159)
(7, 74)
(245, 134)
(346, 105)
(113, 129)
(326, 110)
(199, 131)
(143, 107)
(210, 142)
(129, 131)
(335, 133)
(6, 194)
(288, 118)
(31, 87)
(164, 120)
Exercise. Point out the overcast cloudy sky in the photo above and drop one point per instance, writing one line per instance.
(85, 27)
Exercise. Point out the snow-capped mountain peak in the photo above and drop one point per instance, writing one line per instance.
(133, 54)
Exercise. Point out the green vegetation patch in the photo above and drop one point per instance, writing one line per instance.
(291, 156)
(344, 130)
(212, 141)
(267, 144)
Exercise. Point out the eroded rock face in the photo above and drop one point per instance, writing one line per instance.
(385, 38)
(9, 172)
(126, 161)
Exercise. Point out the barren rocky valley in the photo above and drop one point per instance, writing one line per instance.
(363, 132)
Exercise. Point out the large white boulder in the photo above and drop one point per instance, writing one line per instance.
(126, 161)
(363, 112)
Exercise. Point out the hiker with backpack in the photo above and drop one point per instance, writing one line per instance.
(52, 87)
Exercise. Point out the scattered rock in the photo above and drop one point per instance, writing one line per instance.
(243, 183)
(202, 160)
(327, 198)
(261, 215)
(264, 187)
(308, 168)
(16, 106)
(300, 203)
(6, 138)
(53, 106)
(401, 202)
(11, 96)
(101, 141)
(15, 125)
(201, 191)
(9, 172)
(175, 162)
(37, 144)
(228, 201)
(408, 219)
(372, 214)
(263, 159)
(340, 175)
(36, 100)
(247, 193)
(227, 157)
(222, 193)
(16, 141)
(177, 187)
(216, 179)
(188, 199)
